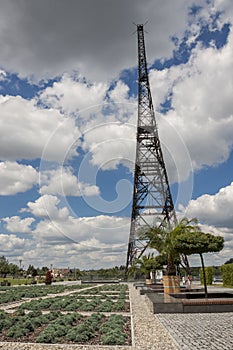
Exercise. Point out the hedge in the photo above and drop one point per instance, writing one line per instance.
(227, 275)
(209, 275)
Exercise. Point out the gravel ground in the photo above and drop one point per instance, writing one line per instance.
(147, 332)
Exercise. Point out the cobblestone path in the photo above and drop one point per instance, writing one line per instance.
(212, 331)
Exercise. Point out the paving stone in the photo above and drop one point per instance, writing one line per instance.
(210, 331)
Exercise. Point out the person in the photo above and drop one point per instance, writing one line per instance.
(190, 280)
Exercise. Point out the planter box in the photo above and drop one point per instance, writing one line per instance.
(171, 284)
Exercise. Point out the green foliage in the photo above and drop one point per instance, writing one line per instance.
(106, 306)
(5, 320)
(82, 332)
(227, 274)
(113, 338)
(66, 327)
(209, 275)
(112, 331)
(198, 243)
(230, 261)
(147, 264)
(162, 238)
(16, 331)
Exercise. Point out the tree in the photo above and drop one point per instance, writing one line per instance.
(13, 269)
(4, 266)
(162, 238)
(148, 263)
(198, 243)
(230, 261)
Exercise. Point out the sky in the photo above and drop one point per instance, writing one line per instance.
(68, 115)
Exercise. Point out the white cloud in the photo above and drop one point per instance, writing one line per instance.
(71, 95)
(107, 229)
(201, 103)
(213, 209)
(27, 132)
(87, 36)
(11, 245)
(62, 182)
(46, 207)
(86, 255)
(16, 224)
(87, 242)
(111, 144)
(15, 178)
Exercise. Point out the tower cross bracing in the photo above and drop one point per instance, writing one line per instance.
(152, 200)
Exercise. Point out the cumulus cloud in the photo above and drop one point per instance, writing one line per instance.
(87, 255)
(29, 132)
(63, 182)
(11, 245)
(85, 242)
(201, 103)
(88, 36)
(15, 178)
(72, 94)
(47, 207)
(107, 229)
(214, 209)
(16, 224)
(110, 145)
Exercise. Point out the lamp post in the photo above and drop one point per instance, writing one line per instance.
(20, 262)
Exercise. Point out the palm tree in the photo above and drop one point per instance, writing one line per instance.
(147, 264)
(162, 238)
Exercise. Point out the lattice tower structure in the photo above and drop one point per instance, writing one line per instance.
(152, 199)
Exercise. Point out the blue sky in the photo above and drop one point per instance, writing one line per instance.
(68, 113)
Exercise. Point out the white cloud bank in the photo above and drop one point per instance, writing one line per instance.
(30, 132)
(201, 103)
(63, 182)
(216, 210)
(15, 178)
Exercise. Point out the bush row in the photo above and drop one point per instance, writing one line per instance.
(71, 327)
(227, 275)
(71, 303)
(16, 294)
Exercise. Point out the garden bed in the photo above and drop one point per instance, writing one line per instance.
(59, 319)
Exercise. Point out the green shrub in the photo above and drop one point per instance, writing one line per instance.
(5, 320)
(113, 338)
(47, 337)
(17, 331)
(227, 275)
(209, 275)
(106, 306)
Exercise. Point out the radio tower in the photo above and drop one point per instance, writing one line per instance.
(152, 200)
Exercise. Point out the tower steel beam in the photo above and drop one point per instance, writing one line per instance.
(152, 200)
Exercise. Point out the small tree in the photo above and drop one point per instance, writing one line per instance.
(4, 266)
(198, 243)
(148, 263)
